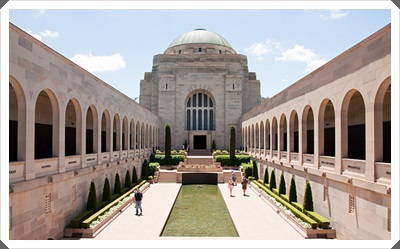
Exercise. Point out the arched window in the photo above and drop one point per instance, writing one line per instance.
(199, 112)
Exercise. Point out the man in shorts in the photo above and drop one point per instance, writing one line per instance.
(244, 185)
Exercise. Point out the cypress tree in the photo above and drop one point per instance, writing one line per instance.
(232, 146)
(106, 191)
(292, 191)
(308, 200)
(272, 181)
(117, 185)
(255, 170)
(92, 198)
(128, 181)
(282, 186)
(167, 159)
(145, 170)
(134, 177)
(266, 180)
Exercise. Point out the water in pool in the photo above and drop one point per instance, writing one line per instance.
(199, 211)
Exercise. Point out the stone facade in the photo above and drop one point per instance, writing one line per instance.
(67, 129)
(197, 68)
(332, 128)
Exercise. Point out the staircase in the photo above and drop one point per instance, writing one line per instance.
(166, 175)
(199, 160)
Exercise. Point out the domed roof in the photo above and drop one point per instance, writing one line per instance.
(200, 36)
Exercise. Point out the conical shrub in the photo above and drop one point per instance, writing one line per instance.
(92, 198)
(167, 159)
(128, 181)
(308, 200)
(292, 191)
(272, 181)
(282, 186)
(106, 191)
(232, 145)
(266, 176)
(134, 176)
(145, 170)
(117, 185)
(255, 170)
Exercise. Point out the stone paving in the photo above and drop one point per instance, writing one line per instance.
(253, 218)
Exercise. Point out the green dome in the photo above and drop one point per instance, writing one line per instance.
(200, 36)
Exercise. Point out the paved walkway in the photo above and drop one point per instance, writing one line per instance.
(253, 218)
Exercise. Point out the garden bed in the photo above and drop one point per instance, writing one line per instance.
(304, 228)
(98, 221)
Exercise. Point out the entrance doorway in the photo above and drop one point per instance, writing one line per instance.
(200, 142)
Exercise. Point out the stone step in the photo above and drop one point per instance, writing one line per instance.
(166, 176)
(199, 160)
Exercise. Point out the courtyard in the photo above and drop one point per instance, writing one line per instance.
(252, 216)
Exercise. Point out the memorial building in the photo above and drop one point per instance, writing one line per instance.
(68, 128)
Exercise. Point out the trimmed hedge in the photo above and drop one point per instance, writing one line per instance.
(77, 221)
(102, 204)
(225, 160)
(248, 169)
(153, 168)
(285, 197)
(322, 221)
(296, 212)
(297, 205)
(160, 158)
(87, 221)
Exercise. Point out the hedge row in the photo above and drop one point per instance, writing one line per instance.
(86, 222)
(225, 160)
(160, 158)
(77, 221)
(296, 212)
(322, 222)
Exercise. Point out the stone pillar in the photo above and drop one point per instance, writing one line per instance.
(29, 142)
(316, 140)
(340, 136)
(59, 136)
(82, 140)
(370, 154)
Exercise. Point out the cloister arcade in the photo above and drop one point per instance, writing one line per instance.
(335, 134)
(66, 136)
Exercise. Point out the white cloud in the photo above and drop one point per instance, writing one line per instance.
(29, 31)
(39, 13)
(99, 63)
(301, 54)
(260, 49)
(50, 34)
(45, 33)
(334, 14)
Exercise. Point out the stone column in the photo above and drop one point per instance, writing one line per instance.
(370, 154)
(340, 139)
(29, 142)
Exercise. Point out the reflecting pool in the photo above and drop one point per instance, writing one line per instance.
(199, 211)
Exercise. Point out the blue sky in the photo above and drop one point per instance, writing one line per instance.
(282, 45)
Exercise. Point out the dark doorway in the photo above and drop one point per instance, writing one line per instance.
(200, 142)
(199, 178)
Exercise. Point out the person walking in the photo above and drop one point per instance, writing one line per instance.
(245, 181)
(138, 200)
(234, 177)
(230, 186)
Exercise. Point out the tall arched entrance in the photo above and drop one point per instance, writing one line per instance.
(200, 119)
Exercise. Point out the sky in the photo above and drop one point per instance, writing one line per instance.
(282, 45)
